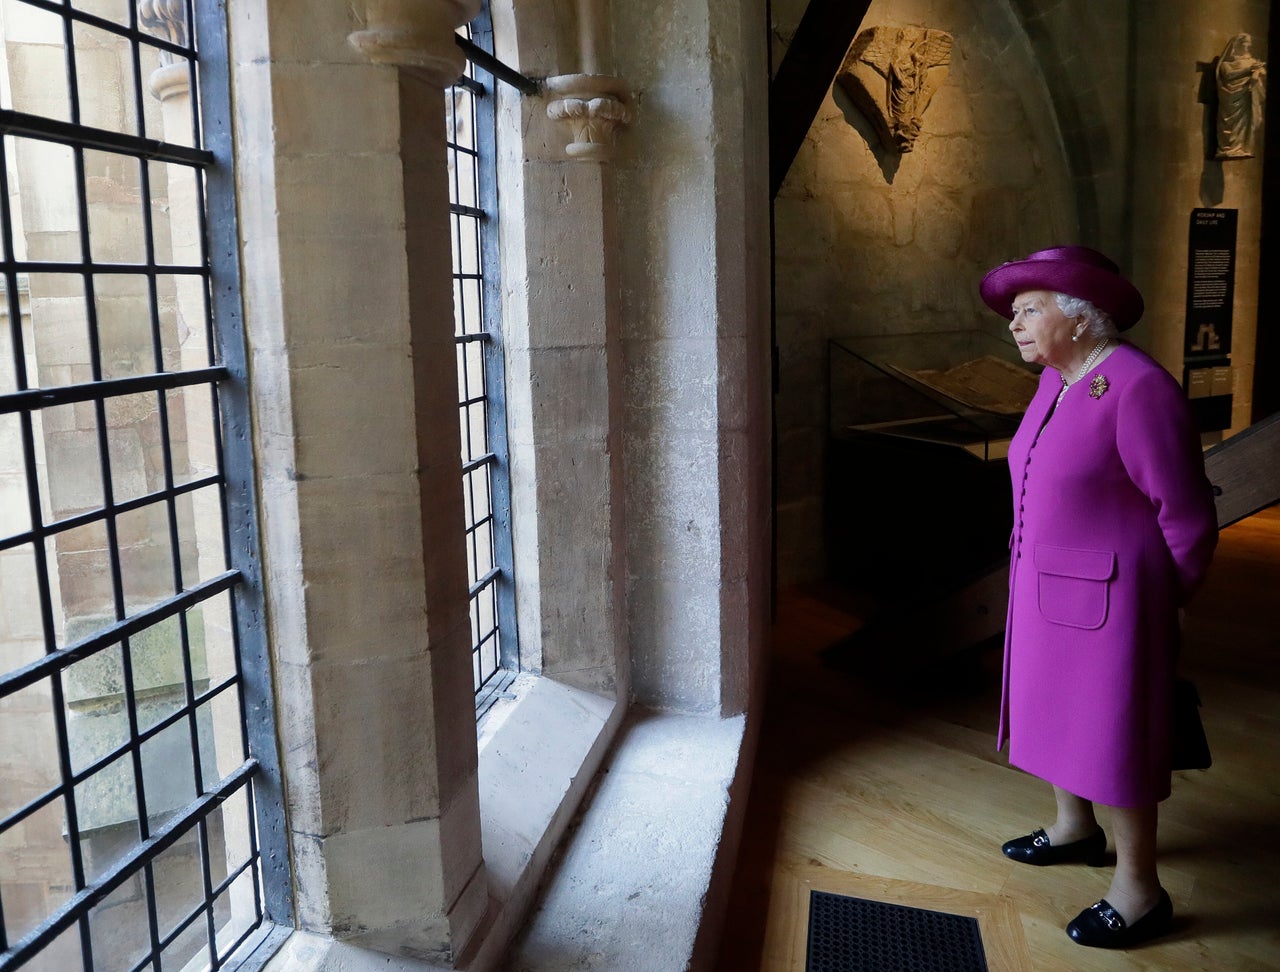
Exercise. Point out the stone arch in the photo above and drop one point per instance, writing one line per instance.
(1086, 72)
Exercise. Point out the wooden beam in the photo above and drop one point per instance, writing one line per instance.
(807, 70)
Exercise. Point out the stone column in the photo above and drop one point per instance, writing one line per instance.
(342, 177)
(560, 258)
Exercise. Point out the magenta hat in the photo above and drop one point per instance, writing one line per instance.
(1076, 271)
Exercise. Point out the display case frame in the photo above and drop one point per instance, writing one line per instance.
(965, 389)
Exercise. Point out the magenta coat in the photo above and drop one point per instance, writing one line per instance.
(1114, 527)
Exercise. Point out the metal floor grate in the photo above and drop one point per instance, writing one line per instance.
(855, 935)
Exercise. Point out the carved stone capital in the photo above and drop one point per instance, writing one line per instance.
(166, 19)
(595, 107)
(416, 33)
(169, 80)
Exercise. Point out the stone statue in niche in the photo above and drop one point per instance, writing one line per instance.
(1242, 91)
(891, 73)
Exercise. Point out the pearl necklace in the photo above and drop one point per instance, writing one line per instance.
(1084, 368)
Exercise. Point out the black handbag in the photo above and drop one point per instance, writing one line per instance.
(1190, 747)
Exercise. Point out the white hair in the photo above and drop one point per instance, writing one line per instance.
(1097, 322)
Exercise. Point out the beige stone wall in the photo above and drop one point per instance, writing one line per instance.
(1174, 173)
(870, 244)
(691, 191)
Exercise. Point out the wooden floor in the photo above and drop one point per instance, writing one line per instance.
(896, 778)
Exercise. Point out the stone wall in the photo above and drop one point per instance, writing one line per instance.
(1175, 45)
(869, 243)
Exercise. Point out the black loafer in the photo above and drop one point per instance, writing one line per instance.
(1100, 926)
(1036, 849)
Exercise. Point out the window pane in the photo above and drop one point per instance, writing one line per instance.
(482, 550)
(107, 816)
(203, 510)
(113, 10)
(28, 758)
(71, 474)
(15, 510)
(179, 956)
(105, 77)
(57, 343)
(9, 352)
(180, 890)
(135, 446)
(221, 741)
(159, 679)
(21, 628)
(46, 227)
(97, 719)
(60, 955)
(37, 62)
(237, 844)
(172, 328)
(192, 433)
(121, 934)
(168, 773)
(466, 243)
(177, 226)
(235, 908)
(36, 869)
(146, 561)
(123, 303)
(467, 293)
(80, 566)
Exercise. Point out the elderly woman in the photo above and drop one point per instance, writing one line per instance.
(1114, 527)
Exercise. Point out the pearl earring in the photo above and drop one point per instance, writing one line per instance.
(1075, 337)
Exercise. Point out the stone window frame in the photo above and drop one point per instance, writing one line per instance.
(361, 496)
(540, 749)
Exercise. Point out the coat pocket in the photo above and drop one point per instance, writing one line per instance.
(1074, 585)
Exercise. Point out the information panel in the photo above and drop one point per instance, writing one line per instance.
(1211, 276)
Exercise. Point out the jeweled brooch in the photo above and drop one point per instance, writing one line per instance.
(1098, 386)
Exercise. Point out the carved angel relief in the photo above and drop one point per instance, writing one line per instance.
(891, 74)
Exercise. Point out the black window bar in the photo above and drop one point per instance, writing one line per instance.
(473, 208)
(140, 811)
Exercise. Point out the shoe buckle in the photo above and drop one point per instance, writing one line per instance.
(1109, 915)
(1040, 840)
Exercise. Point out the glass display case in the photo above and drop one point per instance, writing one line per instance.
(965, 389)
(917, 496)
